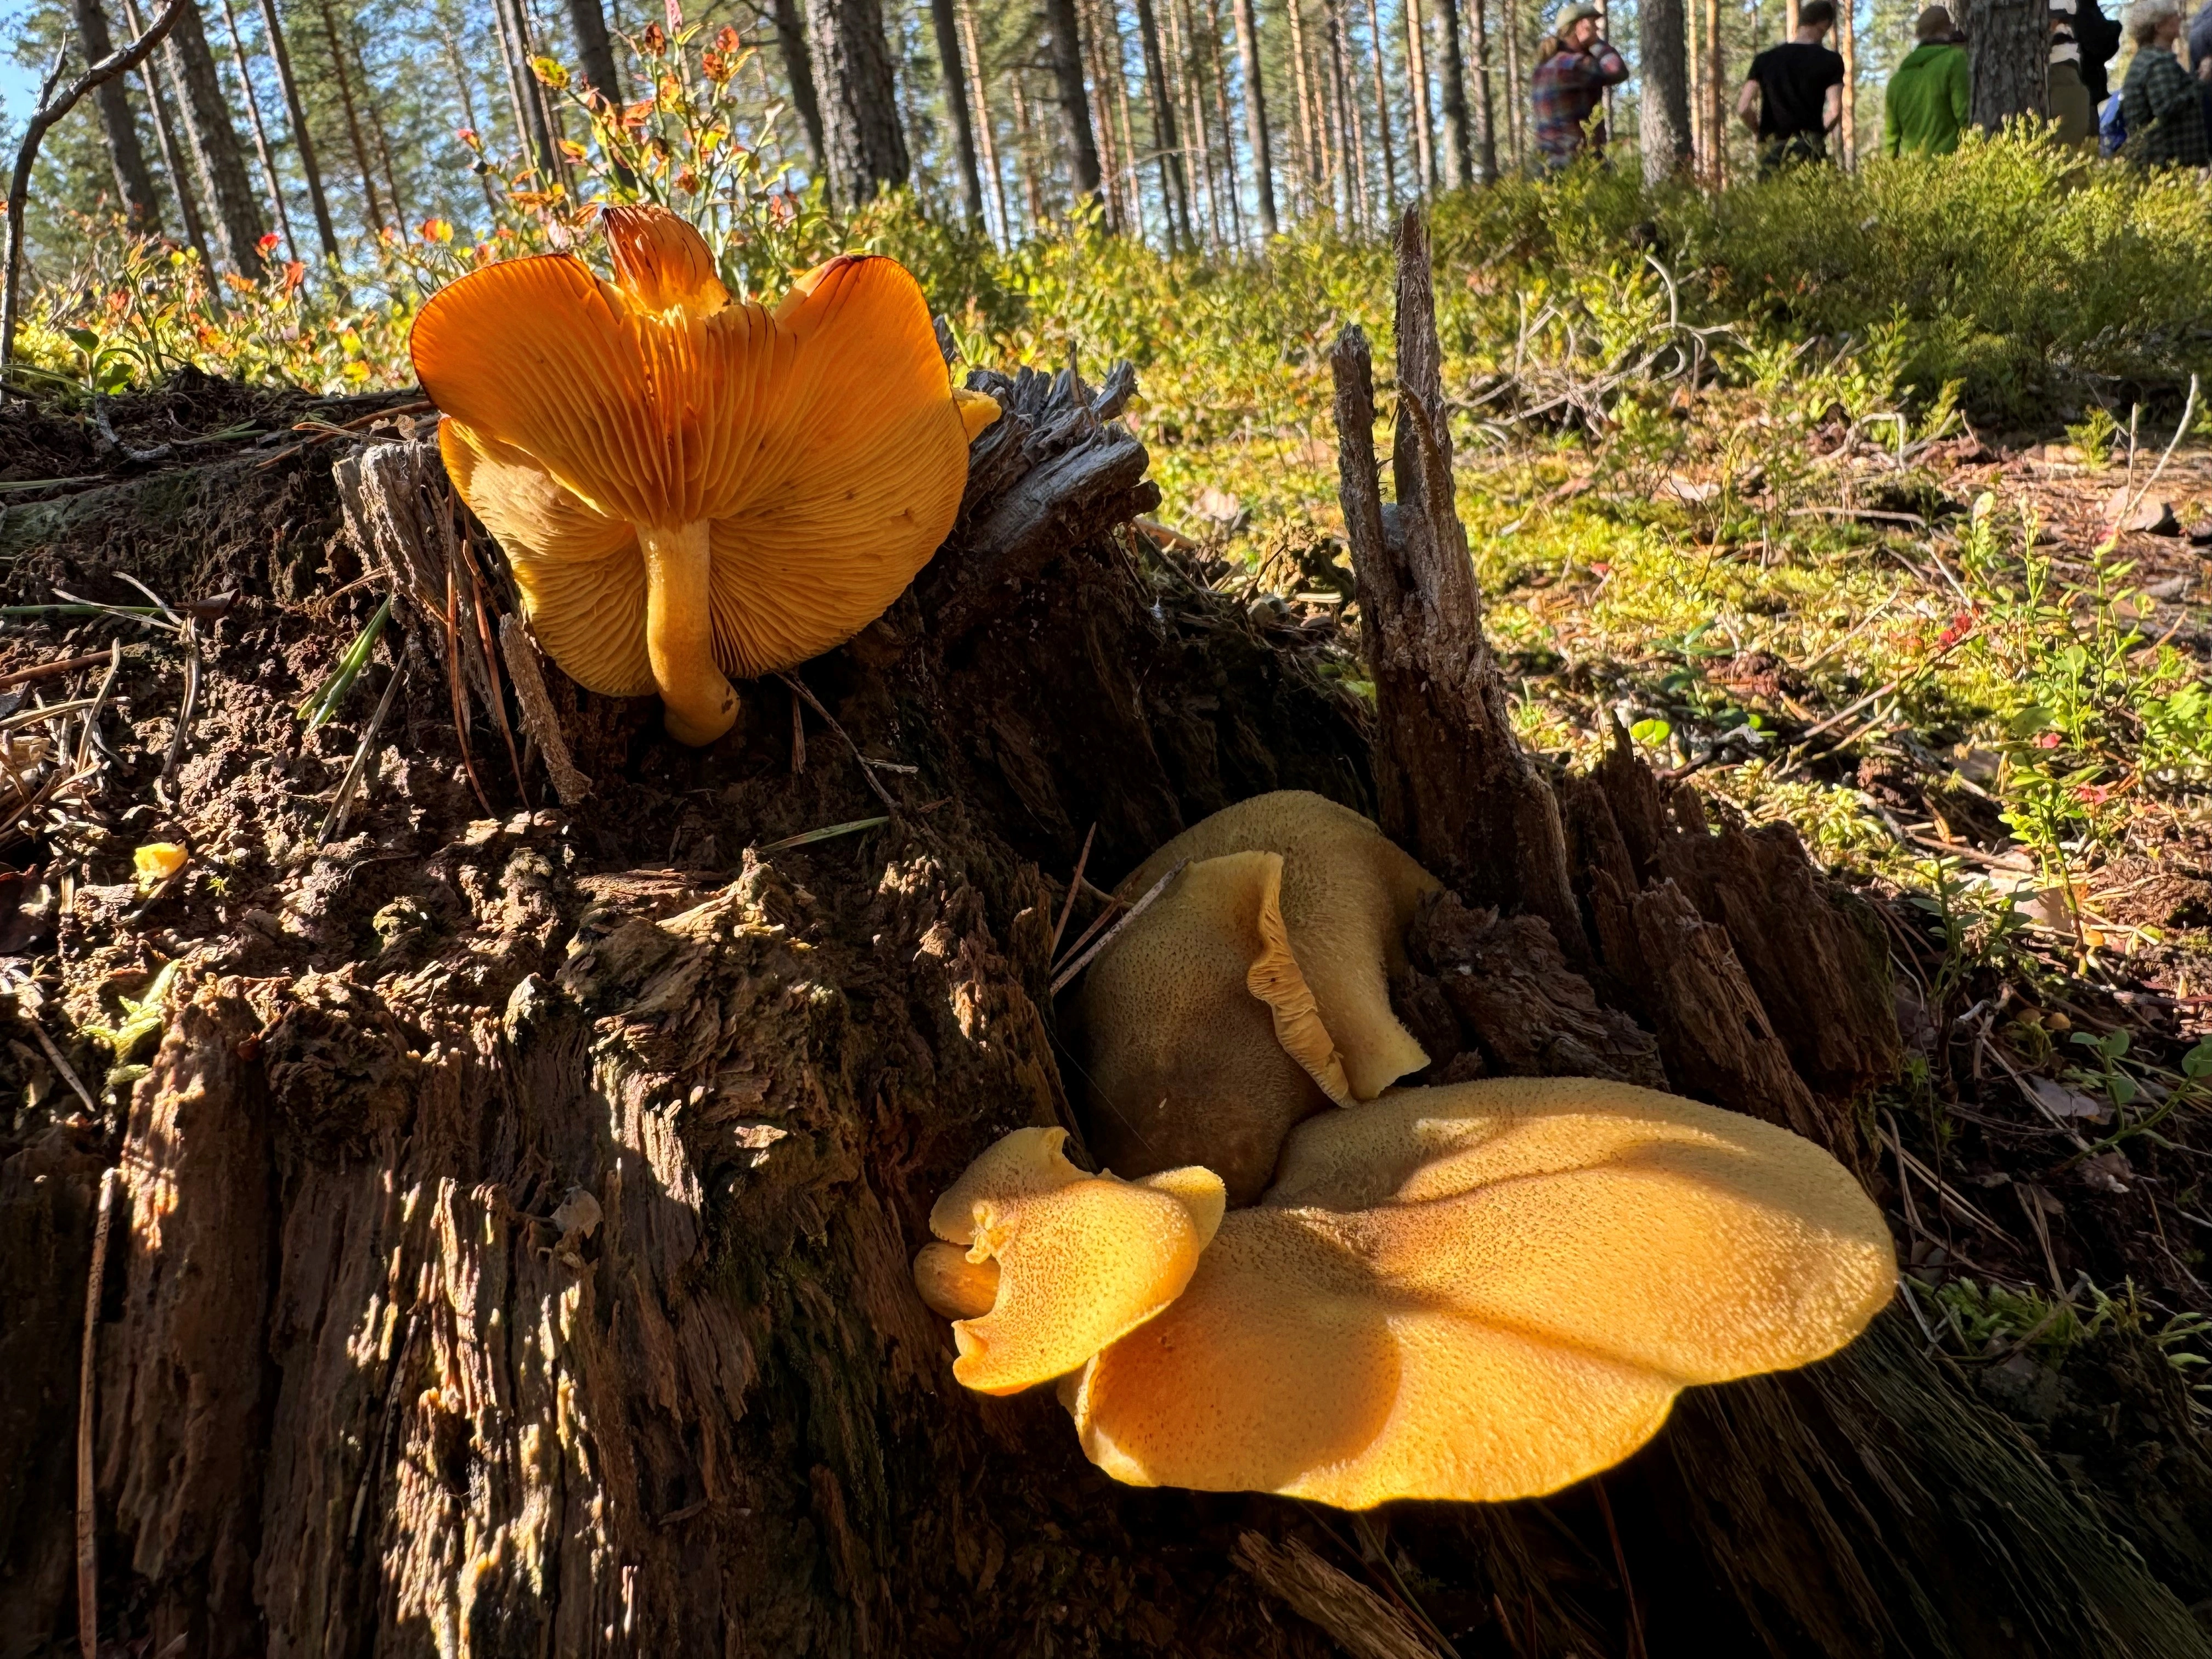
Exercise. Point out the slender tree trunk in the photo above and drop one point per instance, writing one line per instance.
(985, 126)
(1416, 74)
(1025, 138)
(1516, 112)
(456, 62)
(1065, 49)
(1101, 90)
(1351, 135)
(1486, 107)
(295, 112)
(383, 138)
(1256, 113)
(595, 50)
(1716, 94)
(1375, 39)
(544, 107)
(1218, 77)
(866, 151)
(1309, 127)
(947, 23)
(260, 131)
(134, 184)
(798, 69)
(172, 160)
(372, 204)
(1663, 111)
(1131, 179)
(215, 141)
(518, 111)
(1459, 167)
(1847, 47)
(1175, 192)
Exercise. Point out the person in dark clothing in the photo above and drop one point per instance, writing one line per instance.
(2166, 121)
(1793, 95)
(2200, 58)
(2099, 38)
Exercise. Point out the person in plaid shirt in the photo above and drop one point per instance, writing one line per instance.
(1571, 75)
(2158, 102)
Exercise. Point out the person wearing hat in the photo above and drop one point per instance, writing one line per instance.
(1793, 94)
(1574, 67)
(1925, 107)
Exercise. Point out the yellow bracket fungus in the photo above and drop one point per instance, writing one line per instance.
(1479, 1292)
(1201, 1041)
(1057, 1264)
(688, 487)
(1348, 894)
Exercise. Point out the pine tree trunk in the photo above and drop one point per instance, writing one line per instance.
(2008, 58)
(798, 71)
(1256, 136)
(296, 112)
(1175, 194)
(595, 50)
(950, 62)
(119, 126)
(985, 126)
(1460, 167)
(372, 207)
(1663, 108)
(1428, 176)
(864, 147)
(166, 137)
(1217, 81)
(260, 131)
(215, 143)
(1485, 109)
(1716, 95)
(1375, 39)
(1064, 46)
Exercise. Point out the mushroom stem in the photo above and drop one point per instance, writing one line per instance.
(679, 637)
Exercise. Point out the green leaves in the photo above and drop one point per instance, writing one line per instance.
(318, 709)
(142, 1020)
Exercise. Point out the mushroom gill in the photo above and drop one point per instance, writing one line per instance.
(688, 487)
(1485, 1291)
(1069, 1262)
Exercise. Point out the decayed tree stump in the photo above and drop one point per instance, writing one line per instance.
(519, 1203)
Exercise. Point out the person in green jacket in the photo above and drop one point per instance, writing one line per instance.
(1928, 99)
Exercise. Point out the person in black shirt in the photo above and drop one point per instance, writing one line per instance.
(1793, 96)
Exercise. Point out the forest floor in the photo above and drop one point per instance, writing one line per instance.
(1979, 703)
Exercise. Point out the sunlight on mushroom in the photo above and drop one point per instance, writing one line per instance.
(1485, 1291)
(690, 487)
(1201, 1041)
(1348, 894)
(1077, 1260)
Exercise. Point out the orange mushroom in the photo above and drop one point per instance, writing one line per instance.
(691, 488)
(1485, 1291)
(1348, 894)
(1057, 1264)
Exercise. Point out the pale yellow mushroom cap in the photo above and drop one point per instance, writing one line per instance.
(1200, 1040)
(1485, 1291)
(1081, 1259)
(690, 487)
(1348, 894)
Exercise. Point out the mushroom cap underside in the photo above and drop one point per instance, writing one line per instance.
(820, 441)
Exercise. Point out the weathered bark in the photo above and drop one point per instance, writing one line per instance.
(118, 126)
(1663, 106)
(2008, 58)
(1485, 111)
(303, 140)
(214, 143)
(799, 70)
(864, 147)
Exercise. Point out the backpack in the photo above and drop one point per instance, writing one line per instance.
(2112, 131)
